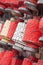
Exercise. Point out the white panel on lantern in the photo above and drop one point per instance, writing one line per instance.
(18, 35)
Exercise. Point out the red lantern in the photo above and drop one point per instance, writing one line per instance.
(8, 29)
(32, 32)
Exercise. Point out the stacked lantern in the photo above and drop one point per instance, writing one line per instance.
(10, 26)
(22, 34)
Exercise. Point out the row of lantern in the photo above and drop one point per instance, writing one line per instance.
(11, 5)
(19, 33)
(11, 58)
(26, 35)
(28, 7)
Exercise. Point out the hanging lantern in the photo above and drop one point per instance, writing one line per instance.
(32, 32)
(5, 33)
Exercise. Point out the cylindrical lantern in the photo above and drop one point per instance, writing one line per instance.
(8, 30)
(32, 32)
(18, 35)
